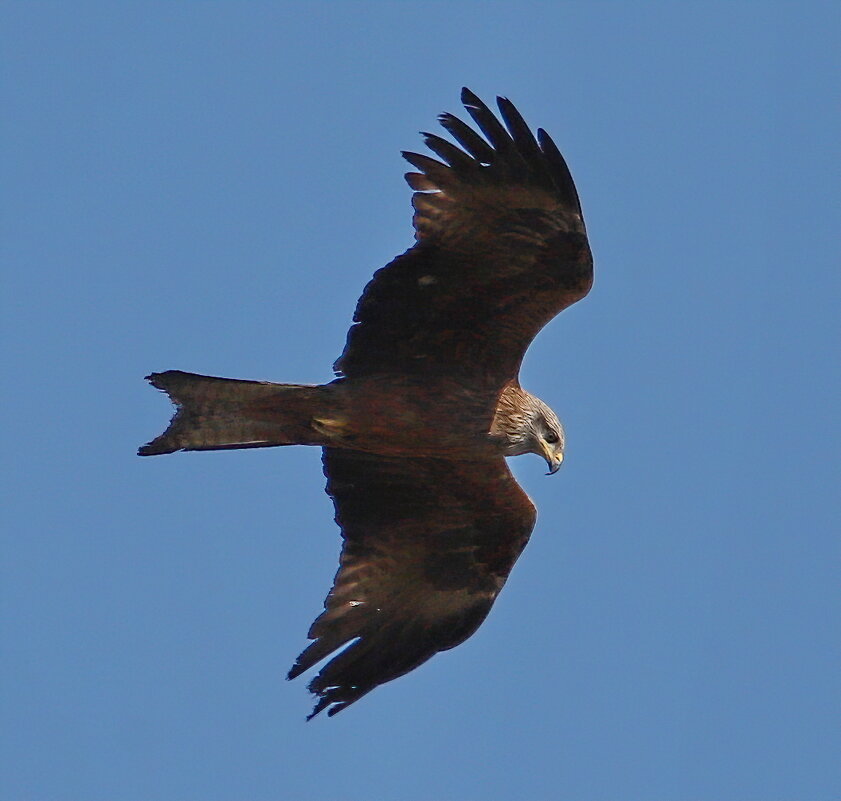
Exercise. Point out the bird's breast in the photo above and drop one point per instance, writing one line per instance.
(408, 415)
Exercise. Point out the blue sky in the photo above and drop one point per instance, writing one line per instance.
(208, 186)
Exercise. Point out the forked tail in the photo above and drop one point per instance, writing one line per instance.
(215, 413)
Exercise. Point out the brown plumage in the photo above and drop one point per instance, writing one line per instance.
(427, 404)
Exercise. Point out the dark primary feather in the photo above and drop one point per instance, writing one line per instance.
(495, 133)
(501, 249)
(428, 544)
(450, 153)
(520, 132)
(477, 147)
(561, 176)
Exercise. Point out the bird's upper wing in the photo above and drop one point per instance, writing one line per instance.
(428, 544)
(501, 249)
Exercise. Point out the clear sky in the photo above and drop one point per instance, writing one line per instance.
(208, 186)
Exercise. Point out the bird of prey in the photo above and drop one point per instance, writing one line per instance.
(426, 404)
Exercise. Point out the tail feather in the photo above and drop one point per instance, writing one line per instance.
(221, 413)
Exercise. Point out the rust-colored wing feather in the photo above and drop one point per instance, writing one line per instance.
(428, 544)
(501, 249)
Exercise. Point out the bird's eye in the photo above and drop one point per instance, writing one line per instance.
(551, 437)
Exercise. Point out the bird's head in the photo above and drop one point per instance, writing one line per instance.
(547, 436)
(530, 426)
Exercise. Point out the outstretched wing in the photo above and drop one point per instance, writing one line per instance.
(428, 545)
(501, 249)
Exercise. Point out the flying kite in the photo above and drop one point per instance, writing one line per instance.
(426, 404)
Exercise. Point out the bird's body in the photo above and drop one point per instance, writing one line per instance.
(386, 414)
(426, 406)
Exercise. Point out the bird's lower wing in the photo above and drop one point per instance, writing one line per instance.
(428, 545)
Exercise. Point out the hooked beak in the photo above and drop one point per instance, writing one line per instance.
(554, 460)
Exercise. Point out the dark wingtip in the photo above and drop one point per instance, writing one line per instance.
(321, 704)
(469, 98)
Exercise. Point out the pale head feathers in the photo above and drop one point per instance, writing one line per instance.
(525, 424)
